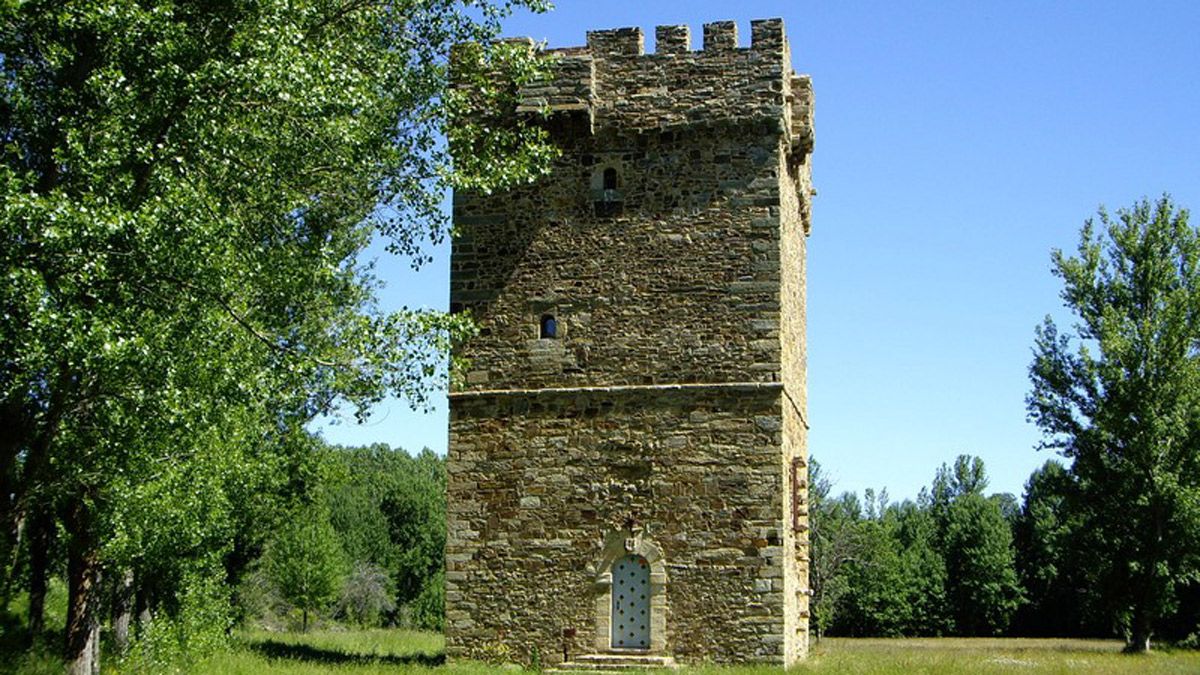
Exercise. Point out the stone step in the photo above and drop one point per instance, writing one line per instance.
(577, 667)
(612, 662)
(649, 660)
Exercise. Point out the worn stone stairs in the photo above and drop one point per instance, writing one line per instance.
(611, 662)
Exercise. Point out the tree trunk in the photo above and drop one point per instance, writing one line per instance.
(41, 533)
(304, 621)
(12, 430)
(13, 564)
(122, 611)
(40, 526)
(1139, 643)
(143, 609)
(1139, 636)
(83, 572)
(94, 647)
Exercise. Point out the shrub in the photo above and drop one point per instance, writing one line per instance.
(366, 594)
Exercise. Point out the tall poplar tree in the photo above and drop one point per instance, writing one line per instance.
(1119, 394)
(185, 188)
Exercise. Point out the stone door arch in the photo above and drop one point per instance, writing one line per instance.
(643, 569)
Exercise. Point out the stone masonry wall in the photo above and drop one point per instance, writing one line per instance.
(682, 287)
(793, 289)
(538, 479)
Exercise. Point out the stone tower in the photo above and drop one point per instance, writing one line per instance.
(627, 462)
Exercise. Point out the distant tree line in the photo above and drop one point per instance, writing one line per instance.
(958, 561)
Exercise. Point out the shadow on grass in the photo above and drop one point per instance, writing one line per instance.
(273, 649)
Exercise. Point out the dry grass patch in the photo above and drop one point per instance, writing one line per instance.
(989, 655)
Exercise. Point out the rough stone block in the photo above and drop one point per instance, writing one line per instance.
(720, 36)
(767, 35)
(672, 39)
(617, 42)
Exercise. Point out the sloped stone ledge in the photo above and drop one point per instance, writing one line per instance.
(616, 389)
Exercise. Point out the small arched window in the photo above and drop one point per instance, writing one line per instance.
(606, 196)
(549, 327)
(610, 178)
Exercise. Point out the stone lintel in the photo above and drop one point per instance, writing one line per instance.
(615, 389)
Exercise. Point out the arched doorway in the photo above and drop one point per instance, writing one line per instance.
(630, 561)
(631, 603)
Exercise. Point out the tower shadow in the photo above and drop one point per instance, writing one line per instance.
(275, 649)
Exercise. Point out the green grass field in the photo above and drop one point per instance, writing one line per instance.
(391, 651)
(366, 652)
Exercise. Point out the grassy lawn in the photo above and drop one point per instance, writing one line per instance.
(393, 651)
(366, 652)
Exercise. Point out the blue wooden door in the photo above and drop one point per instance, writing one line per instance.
(631, 603)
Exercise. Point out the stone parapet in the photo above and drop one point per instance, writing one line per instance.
(569, 91)
(616, 84)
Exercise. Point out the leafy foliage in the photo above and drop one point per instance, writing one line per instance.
(385, 511)
(834, 541)
(185, 189)
(306, 561)
(1042, 534)
(925, 570)
(876, 602)
(197, 627)
(981, 579)
(943, 564)
(389, 509)
(429, 607)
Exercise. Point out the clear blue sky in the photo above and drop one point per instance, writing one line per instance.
(957, 144)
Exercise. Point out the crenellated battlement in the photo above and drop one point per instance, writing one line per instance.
(612, 82)
(719, 36)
